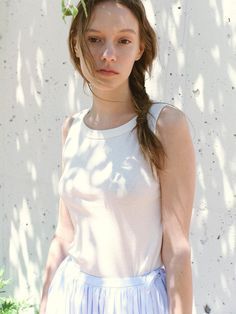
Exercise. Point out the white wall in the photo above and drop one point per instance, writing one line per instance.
(196, 71)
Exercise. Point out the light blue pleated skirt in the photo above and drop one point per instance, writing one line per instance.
(75, 292)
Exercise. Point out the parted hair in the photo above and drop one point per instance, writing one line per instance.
(150, 145)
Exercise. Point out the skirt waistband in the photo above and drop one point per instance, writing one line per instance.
(144, 279)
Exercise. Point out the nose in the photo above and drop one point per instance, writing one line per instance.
(108, 53)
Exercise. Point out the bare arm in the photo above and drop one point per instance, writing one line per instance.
(62, 238)
(177, 193)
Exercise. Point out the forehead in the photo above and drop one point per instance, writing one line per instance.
(112, 16)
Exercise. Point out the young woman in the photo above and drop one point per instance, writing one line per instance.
(127, 187)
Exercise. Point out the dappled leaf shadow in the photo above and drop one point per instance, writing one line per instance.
(195, 71)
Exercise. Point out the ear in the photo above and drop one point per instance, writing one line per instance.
(140, 52)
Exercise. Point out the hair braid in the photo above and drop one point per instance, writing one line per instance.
(150, 145)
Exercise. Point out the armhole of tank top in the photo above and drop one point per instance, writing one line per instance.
(65, 139)
(155, 112)
(75, 116)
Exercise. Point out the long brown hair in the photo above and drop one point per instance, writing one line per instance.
(151, 147)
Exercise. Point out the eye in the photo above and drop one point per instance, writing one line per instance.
(125, 41)
(93, 40)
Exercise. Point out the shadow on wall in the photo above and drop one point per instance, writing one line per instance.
(199, 73)
(40, 88)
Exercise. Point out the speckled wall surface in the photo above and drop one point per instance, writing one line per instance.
(196, 71)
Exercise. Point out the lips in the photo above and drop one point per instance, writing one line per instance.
(108, 71)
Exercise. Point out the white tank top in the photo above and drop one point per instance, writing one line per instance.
(113, 199)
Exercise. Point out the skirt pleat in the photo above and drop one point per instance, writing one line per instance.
(74, 292)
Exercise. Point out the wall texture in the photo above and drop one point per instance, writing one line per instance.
(196, 71)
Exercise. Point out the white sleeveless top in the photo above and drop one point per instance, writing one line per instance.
(113, 199)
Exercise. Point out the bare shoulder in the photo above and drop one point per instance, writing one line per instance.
(66, 126)
(172, 122)
(170, 117)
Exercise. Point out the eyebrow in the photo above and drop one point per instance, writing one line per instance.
(125, 30)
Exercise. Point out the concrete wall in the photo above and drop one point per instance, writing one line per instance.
(196, 71)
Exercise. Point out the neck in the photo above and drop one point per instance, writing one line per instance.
(110, 103)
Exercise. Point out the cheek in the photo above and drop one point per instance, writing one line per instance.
(128, 55)
(127, 59)
(96, 52)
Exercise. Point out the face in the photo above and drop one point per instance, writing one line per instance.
(113, 40)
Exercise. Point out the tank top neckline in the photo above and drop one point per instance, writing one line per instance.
(107, 133)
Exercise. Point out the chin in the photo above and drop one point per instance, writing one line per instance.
(108, 85)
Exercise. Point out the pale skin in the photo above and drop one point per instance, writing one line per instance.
(114, 43)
